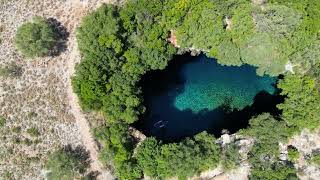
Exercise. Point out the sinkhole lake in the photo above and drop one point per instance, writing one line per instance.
(195, 94)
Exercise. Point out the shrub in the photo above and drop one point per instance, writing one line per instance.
(32, 114)
(34, 132)
(11, 70)
(2, 121)
(1, 30)
(293, 153)
(273, 171)
(35, 39)
(315, 159)
(16, 129)
(7, 175)
(68, 163)
(266, 53)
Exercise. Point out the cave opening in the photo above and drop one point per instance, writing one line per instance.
(195, 94)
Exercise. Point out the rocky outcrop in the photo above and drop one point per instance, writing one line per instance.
(137, 135)
(174, 41)
(306, 142)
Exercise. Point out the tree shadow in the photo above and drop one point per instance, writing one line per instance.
(180, 124)
(93, 175)
(80, 153)
(235, 119)
(61, 36)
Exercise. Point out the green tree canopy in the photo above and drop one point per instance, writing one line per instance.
(120, 44)
(301, 108)
(268, 132)
(184, 159)
(35, 39)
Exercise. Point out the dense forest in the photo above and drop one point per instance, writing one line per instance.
(120, 44)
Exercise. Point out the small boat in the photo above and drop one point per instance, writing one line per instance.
(157, 124)
(160, 124)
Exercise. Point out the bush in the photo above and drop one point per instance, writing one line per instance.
(34, 132)
(2, 121)
(35, 39)
(68, 163)
(11, 70)
(16, 129)
(315, 159)
(293, 153)
(273, 171)
(266, 53)
(1, 30)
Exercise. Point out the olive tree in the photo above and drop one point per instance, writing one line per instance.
(35, 38)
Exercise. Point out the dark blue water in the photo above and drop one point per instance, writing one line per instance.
(194, 94)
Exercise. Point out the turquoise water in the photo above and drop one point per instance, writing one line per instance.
(194, 94)
(209, 85)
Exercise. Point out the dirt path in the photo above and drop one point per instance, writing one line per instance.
(80, 9)
(82, 123)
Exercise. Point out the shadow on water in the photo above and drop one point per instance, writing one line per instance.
(233, 120)
(170, 124)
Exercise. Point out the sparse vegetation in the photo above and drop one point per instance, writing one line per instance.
(41, 88)
(32, 114)
(2, 121)
(35, 39)
(67, 163)
(1, 30)
(8, 175)
(16, 129)
(33, 131)
(11, 70)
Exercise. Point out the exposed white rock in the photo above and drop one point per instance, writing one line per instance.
(289, 67)
(225, 139)
(283, 152)
(228, 21)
